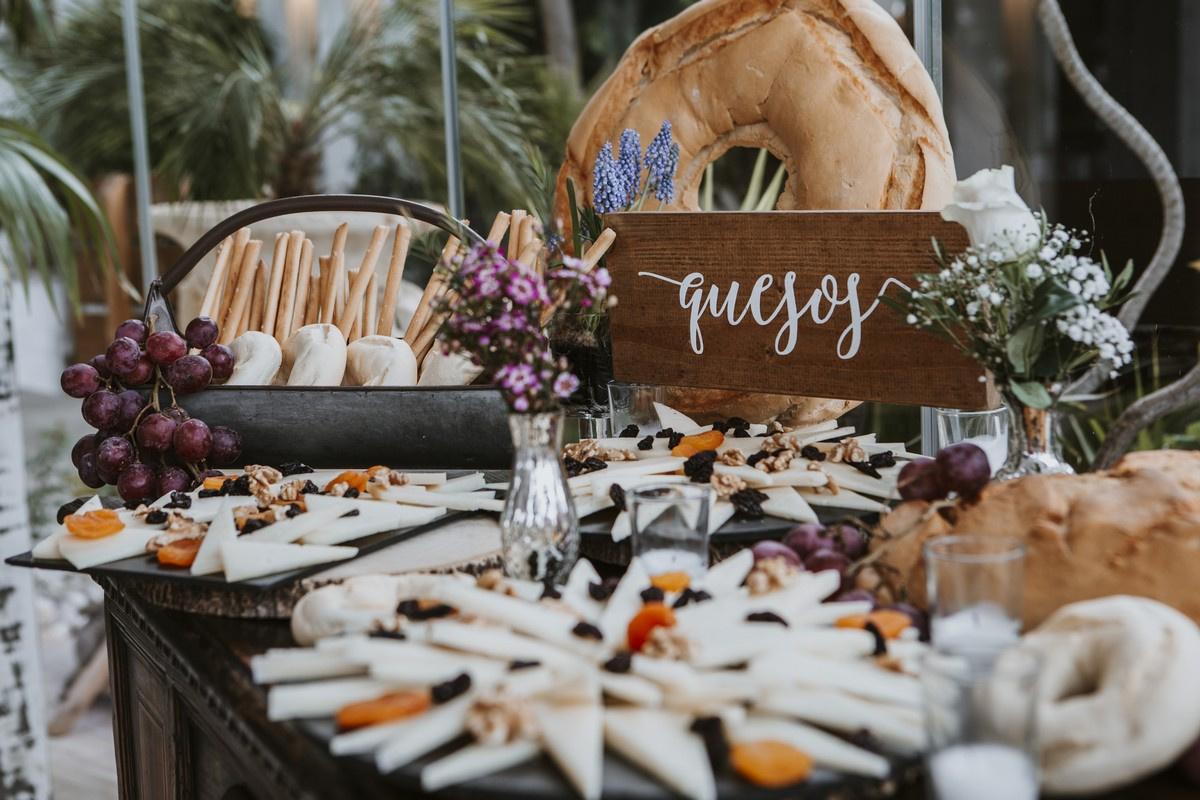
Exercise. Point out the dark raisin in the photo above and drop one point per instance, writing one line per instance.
(629, 432)
(620, 663)
(712, 732)
(689, 596)
(741, 433)
(880, 640)
(241, 486)
(67, 509)
(593, 464)
(866, 740)
(812, 452)
(208, 493)
(754, 458)
(865, 467)
(350, 493)
(309, 488)
(156, 517)
(653, 594)
(354, 512)
(598, 591)
(179, 500)
(665, 433)
(738, 422)
(293, 510)
(448, 690)
(699, 468)
(133, 505)
(767, 616)
(617, 494)
(674, 440)
(646, 444)
(572, 466)
(748, 502)
(586, 630)
(253, 524)
(294, 468)
(383, 633)
(550, 592)
(882, 460)
(416, 611)
(519, 664)
(720, 426)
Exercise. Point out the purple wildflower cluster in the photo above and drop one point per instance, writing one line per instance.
(617, 182)
(494, 312)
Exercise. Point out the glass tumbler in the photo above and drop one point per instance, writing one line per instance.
(974, 585)
(633, 404)
(670, 530)
(987, 429)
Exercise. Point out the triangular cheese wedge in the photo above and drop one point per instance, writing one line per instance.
(897, 727)
(475, 761)
(573, 735)
(726, 576)
(624, 602)
(786, 503)
(843, 499)
(292, 529)
(675, 420)
(244, 560)
(458, 501)
(464, 483)
(221, 530)
(48, 548)
(372, 517)
(320, 698)
(824, 749)
(395, 742)
(660, 743)
(85, 553)
(286, 664)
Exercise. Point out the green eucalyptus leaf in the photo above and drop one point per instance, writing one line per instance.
(1031, 394)
(1024, 345)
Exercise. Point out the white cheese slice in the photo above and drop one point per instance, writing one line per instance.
(244, 560)
(675, 420)
(222, 529)
(799, 476)
(291, 529)
(475, 761)
(372, 517)
(726, 576)
(847, 477)
(464, 483)
(458, 501)
(786, 503)
(534, 619)
(287, 664)
(451, 715)
(860, 678)
(621, 527)
(843, 499)
(831, 612)
(497, 642)
(603, 480)
(631, 689)
(808, 589)
(719, 512)
(205, 509)
(320, 698)
(126, 543)
(649, 466)
(573, 735)
(824, 749)
(752, 477)
(420, 735)
(624, 602)
(586, 505)
(897, 727)
(48, 548)
(576, 593)
(660, 743)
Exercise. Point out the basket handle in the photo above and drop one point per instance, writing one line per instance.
(156, 302)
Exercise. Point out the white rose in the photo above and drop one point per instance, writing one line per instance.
(988, 206)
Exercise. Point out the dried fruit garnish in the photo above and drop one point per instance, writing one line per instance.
(754, 458)
(689, 596)
(179, 553)
(629, 432)
(767, 616)
(646, 444)
(519, 664)
(352, 478)
(699, 468)
(294, 509)
(653, 595)
(383, 633)
(310, 488)
(665, 433)
(651, 616)
(865, 467)
(550, 592)
(882, 460)
(179, 500)
(748, 502)
(94, 524)
(155, 517)
(389, 707)
(619, 664)
(602, 590)
(418, 610)
(812, 452)
(712, 731)
(769, 763)
(887, 621)
(448, 690)
(674, 439)
(881, 648)
(574, 467)
(253, 524)
(214, 482)
(617, 494)
(586, 630)
(741, 433)
(676, 581)
(288, 468)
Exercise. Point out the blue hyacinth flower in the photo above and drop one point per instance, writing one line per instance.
(629, 161)
(609, 189)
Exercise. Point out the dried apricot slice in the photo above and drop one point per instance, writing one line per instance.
(671, 581)
(389, 707)
(709, 440)
(889, 621)
(651, 616)
(684, 449)
(179, 554)
(352, 478)
(769, 763)
(213, 483)
(94, 524)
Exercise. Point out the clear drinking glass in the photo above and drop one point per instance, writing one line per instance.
(633, 404)
(974, 585)
(980, 722)
(590, 423)
(987, 429)
(670, 528)
(539, 533)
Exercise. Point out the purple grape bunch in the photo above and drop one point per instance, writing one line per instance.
(145, 444)
(816, 548)
(959, 468)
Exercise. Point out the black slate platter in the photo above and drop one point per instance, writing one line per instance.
(539, 779)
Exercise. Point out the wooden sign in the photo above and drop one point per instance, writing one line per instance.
(784, 302)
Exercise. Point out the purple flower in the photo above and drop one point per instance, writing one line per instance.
(662, 159)
(609, 191)
(629, 162)
(565, 385)
(522, 290)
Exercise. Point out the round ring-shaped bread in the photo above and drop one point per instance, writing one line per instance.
(832, 88)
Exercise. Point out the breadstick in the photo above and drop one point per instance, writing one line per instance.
(242, 292)
(514, 232)
(354, 301)
(258, 299)
(395, 278)
(526, 235)
(499, 228)
(337, 270)
(529, 254)
(598, 248)
(217, 282)
(244, 321)
(279, 260)
(240, 240)
(421, 316)
(287, 298)
(303, 285)
(312, 309)
(339, 238)
(324, 269)
(370, 306)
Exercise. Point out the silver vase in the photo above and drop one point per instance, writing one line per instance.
(538, 529)
(1033, 445)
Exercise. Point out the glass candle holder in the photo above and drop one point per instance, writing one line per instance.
(987, 429)
(974, 585)
(670, 529)
(980, 721)
(633, 404)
